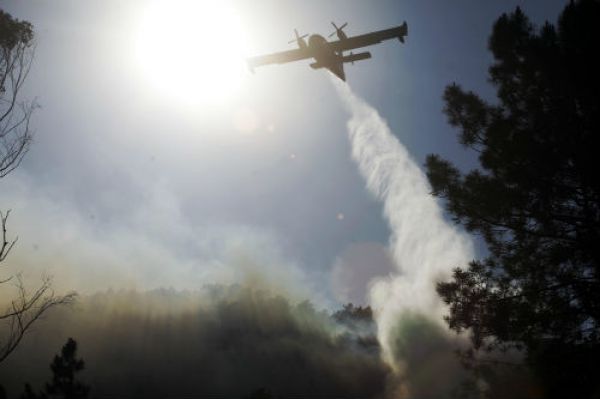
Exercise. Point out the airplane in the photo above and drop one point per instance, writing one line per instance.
(330, 55)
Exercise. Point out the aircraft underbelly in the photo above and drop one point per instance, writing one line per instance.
(338, 70)
(332, 62)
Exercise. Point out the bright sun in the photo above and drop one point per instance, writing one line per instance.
(192, 49)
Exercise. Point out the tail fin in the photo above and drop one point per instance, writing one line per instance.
(403, 31)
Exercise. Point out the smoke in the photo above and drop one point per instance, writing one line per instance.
(222, 341)
(239, 336)
(425, 247)
(152, 246)
(250, 329)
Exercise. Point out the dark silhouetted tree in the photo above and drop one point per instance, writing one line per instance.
(29, 394)
(360, 325)
(16, 52)
(261, 393)
(535, 199)
(64, 384)
(351, 314)
(65, 368)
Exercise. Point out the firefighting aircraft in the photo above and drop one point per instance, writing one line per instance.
(330, 55)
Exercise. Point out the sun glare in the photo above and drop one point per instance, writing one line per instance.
(192, 50)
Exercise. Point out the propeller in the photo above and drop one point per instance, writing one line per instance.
(338, 29)
(298, 37)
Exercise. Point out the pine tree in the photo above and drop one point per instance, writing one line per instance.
(64, 368)
(29, 394)
(535, 200)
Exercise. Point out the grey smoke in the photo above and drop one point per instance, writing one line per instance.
(220, 341)
(228, 342)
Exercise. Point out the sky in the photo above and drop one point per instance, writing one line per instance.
(148, 173)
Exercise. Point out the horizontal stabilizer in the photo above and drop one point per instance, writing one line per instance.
(356, 57)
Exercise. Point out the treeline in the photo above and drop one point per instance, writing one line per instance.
(225, 341)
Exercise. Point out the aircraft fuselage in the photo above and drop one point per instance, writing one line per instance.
(325, 56)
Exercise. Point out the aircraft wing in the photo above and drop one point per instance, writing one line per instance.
(369, 39)
(278, 58)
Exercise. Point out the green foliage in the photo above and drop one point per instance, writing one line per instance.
(535, 200)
